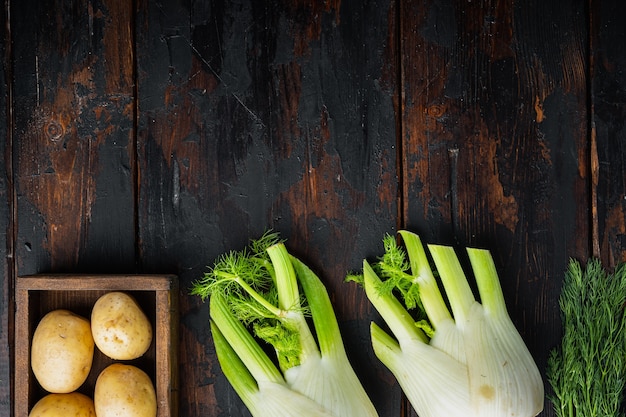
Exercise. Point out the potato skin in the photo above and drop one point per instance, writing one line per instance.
(124, 390)
(120, 329)
(72, 404)
(62, 351)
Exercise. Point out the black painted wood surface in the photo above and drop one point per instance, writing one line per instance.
(151, 136)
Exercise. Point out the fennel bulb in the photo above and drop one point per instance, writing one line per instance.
(258, 288)
(469, 362)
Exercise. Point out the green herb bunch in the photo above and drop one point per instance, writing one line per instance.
(587, 371)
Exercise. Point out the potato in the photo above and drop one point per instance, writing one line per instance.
(62, 351)
(124, 390)
(120, 328)
(72, 404)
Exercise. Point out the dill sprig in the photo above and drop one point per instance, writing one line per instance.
(587, 371)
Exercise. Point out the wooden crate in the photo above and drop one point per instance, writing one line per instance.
(156, 294)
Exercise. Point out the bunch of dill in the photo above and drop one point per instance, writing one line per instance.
(587, 371)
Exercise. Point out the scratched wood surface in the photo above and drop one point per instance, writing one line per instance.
(6, 233)
(608, 92)
(151, 136)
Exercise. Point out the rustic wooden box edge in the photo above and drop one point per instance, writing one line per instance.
(164, 318)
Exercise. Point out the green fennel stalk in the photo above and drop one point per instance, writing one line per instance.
(264, 294)
(587, 371)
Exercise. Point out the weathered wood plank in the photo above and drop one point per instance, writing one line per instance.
(6, 197)
(73, 127)
(608, 95)
(495, 136)
(72, 130)
(261, 115)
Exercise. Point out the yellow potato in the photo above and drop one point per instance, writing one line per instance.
(124, 390)
(62, 351)
(71, 404)
(120, 328)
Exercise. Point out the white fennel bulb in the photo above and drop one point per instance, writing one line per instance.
(470, 361)
(257, 291)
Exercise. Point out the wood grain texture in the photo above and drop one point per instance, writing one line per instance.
(608, 90)
(6, 234)
(265, 115)
(73, 125)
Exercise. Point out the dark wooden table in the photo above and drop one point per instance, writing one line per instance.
(151, 136)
